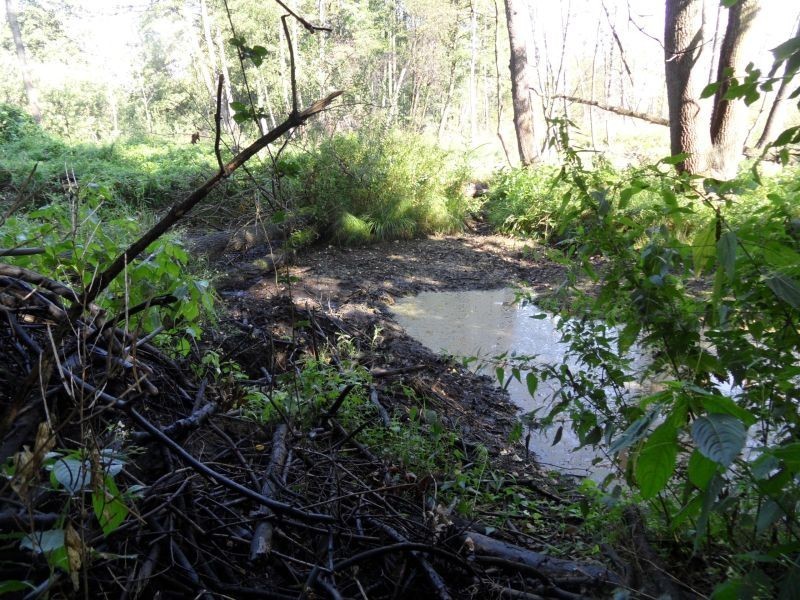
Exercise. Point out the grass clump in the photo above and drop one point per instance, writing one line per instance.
(361, 188)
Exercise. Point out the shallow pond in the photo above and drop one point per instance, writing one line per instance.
(487, 323)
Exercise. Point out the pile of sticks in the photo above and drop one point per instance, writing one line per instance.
(217, 504)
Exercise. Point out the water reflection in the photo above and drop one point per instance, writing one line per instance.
(487, 323)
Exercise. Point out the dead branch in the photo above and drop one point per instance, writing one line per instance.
(218, 124)
(261, 544)
(558, 569)
(618, 110)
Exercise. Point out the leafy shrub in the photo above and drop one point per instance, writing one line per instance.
(82, 236)
(15, 123)
(360, 188)
(704, 279)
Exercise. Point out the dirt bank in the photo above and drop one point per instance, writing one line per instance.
(358, 286)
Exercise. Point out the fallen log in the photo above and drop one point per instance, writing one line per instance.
(558, 570)
(261, 544)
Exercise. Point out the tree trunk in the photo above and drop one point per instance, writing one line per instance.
(683, 53)
(519, 31)
(12, 10)
(776, 111)
(727, 135)
(713, 140)
(473, 85)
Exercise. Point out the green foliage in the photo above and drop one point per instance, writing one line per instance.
(703, 279)
(361, 188)
(14, 123)
(138, 172)
(81, 235)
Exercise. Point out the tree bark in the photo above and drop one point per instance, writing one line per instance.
(683, 53)
(519, 31)
(727, 136)
(776, 111)
(713, 140)
(12, 12)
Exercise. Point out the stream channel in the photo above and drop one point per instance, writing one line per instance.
(487, 323)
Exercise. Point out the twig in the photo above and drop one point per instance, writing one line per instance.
(218, 125)
(276, 506)
(373, 397)
(292, 68)
(339, 400)
(181, 426)
(21, 251)
(433, 576)
(261, 544)
(377, 373)
(311, 28)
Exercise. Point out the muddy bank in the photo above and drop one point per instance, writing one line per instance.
(358, 286)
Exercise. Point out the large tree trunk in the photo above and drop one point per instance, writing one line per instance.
(711, 133)
(727, 134)
(519, 31)
(683, 53)
(12, 10)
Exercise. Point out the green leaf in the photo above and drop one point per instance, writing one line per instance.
(636, 431)
(676, 159)
(726, 253)
(500, 373)
(72, 474)
(713, 403)
(787, 136)
(43, 541)
(701, 470)
(14, 585)
(710, 90)
(532, 382)
(557, 437)
(769, 513)
(785, 288)
(790, 454)
(628, 335)
(719, 437)
(109, 508)
(655, 462)
(703, 246)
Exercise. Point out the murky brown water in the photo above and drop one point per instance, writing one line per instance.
(487, 323)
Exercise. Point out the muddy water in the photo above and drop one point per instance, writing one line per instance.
(487, 323)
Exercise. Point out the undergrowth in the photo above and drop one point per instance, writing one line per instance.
(367, 187)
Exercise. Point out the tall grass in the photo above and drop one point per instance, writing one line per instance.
(364, 187)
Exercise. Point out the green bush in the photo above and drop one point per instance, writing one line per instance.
(361, 188)
(14, 123)
(81, 237)
(703, 277)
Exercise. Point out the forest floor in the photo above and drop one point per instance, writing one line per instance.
(359, 286)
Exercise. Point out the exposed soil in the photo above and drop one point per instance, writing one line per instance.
(359, 286)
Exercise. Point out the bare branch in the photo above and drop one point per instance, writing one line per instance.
(654, 119)
(292, 68)
(311, 28)
(218, 124)
(179, 210)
